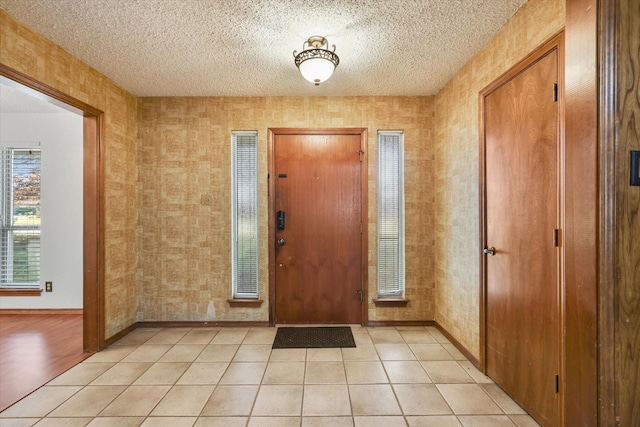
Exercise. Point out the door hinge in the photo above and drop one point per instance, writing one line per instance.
(360, 228)
(361, 153)
(555, 92)
(556, 238)
(557, 383)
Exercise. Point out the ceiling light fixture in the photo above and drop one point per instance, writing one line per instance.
(316, 62)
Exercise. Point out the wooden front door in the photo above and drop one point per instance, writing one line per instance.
(522, 329)
(318, 211)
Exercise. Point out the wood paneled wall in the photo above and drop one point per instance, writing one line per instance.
(579, 378)
(627, 214)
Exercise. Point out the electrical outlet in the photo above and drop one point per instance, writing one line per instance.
(48, 286)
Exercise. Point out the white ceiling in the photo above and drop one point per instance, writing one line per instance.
(245, 47)
(19, 99)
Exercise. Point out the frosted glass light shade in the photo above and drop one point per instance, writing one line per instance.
(316, 64)
(317, 70)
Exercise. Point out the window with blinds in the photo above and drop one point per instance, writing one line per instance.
(244, 214)
(390, 214)
(20, 218)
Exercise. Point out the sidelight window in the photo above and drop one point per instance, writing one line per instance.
(390, 214)
(20, 217)
(244, 214)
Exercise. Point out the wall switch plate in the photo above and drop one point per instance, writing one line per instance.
(635, 168)
(48, 286)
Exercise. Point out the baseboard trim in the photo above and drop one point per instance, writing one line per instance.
(41, 311)
(458, 345)
(199, 324)
(400, 323)
(117, 336)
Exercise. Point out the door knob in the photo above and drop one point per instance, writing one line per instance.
(489, 250)
(280, 242)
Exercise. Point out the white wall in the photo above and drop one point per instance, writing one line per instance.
(60, 137)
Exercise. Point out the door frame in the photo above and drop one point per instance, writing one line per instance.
(555, 42)
(93, 314)
(272, 133)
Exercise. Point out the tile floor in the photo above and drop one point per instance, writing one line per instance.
(214, 377)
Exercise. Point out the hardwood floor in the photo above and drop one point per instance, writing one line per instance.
(34, 349)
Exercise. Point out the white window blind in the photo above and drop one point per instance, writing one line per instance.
(244, 214)
(390, 214)
(20, 217)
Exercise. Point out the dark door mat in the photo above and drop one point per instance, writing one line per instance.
(313, 337)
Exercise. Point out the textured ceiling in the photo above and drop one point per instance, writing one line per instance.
(244, 47)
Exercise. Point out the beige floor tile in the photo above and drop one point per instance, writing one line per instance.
(40, 402)
(199, 336)
(385, 336)
(183, 401)
(274, 422)
(421, 399)
(116, 422)
(63, 422)
(167, 336)
(524, 421)
(122, 373)
(288, 355)
(365, 373)
(278, 400)
(218, 353)
(82, 374)
(430, 352)
(381, 421)
(260, 336)
(434, 421)
(147, 353)
(231, 401)
(324, 354)
(394, 352)
(502, 399)
(114, 353)
(327, 421)
(446, 372)
(162, 373)
(325, 400)
(203, 373)
(417, 337)
(375, 399)
(18, 422)
(468, 399)
(253, 353)
(182, 353)
(366, 352)
(437, 335)
(137, 337)
(474, 373)
(136, 401)
(88, 402)
(361, 335)
(243, 373)
(284, 373)
(486, 421)
(325, 373)
(406, 371)
(230, 336)
(221, 422)
(169, 422)
(454, 352)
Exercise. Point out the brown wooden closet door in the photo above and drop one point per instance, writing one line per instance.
(319, 266)
(522, 286)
